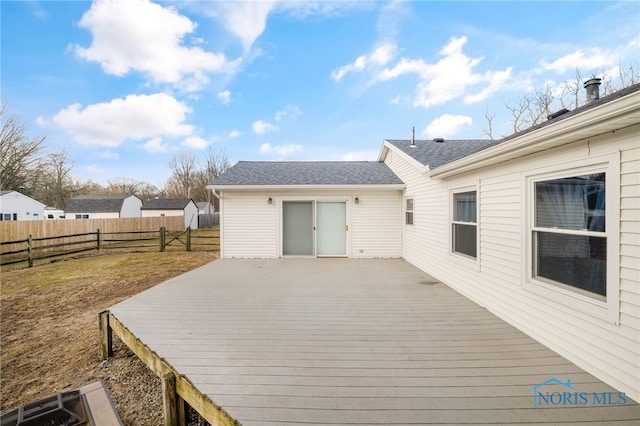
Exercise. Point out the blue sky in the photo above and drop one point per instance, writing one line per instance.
(125, 85)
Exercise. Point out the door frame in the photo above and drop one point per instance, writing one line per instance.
(314, 200)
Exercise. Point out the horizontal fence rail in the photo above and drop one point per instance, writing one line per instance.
(38, 248)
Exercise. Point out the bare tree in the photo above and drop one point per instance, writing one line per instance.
(123, 185)
(488, 130)
(52, 182)
(213, 165)
(147, 191)
(18, 152)
(190, 177)
(534, 108)
(184, 166)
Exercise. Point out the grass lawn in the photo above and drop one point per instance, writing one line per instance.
(49, 338)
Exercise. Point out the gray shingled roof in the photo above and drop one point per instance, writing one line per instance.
(308, 173)
(4, 192)
(96, 203)
(166, 204)
(434, 154)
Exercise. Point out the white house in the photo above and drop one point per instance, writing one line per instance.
(275, 209)
(17, 206)
(103, 206)
(205, 207)
(172, 207)
(542, 227)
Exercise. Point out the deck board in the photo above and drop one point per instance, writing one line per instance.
(345, 341)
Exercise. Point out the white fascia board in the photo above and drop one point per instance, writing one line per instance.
(614, 115)
(418, 165)
(390, 187)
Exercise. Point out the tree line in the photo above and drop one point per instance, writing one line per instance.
(48, 178)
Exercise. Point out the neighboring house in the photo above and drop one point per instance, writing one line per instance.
(15, 205)
(103, 206)
(205, 207)
(172, 207)
(275, 209)
(53, 213)
(542, 227)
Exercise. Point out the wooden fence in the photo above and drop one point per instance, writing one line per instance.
(19, 230)
(32, 248)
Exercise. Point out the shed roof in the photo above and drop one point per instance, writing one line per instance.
(96, 203)
(434, 154)
(308, 173)
(166, 204)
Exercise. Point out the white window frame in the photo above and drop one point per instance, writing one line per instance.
(456, 254)
(412, 211)
(576, 298)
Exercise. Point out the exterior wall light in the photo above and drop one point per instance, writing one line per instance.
(357, 200)
(269, 200)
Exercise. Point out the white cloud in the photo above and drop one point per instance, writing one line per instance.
(496, 79)
(224, 97)
(380, 56)
(156, 145)
(280, 150)
(592, 59)
(234, 134)
(133, 118)
(195, 142)
(448, 78)
(246, 20)
(261, 127)
(446, 125)
(146, 37)
(292, 112)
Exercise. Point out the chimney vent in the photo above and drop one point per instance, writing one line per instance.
(593, 89)
(557, 114)
(413, 136)
(21, 190)
(438, 140)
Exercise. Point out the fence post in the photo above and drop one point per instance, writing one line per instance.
(98, 239)
(30, 251)
(162, 237)
(188, 238)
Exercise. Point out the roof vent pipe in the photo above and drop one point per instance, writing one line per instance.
(413, 136)
(593, 89)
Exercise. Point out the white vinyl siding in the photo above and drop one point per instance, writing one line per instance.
(376, 224)
(131, 207)
(248, 225)
(251, 227)
(605, 349)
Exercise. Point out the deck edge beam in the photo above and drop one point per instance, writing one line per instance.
(185, 391)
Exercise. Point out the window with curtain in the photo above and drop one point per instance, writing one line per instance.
(568, 234)
(464, 226)
(408, 211)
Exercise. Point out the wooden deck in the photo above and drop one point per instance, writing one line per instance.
(346, 341)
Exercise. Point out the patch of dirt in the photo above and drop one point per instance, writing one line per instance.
(49, 336)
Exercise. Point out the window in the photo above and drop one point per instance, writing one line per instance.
(568, 236)
(82, 216)
(463, 225)
(408, 211)
(6, 216)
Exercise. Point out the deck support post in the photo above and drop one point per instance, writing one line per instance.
(182, 412)
(106, 333)
(169, 399)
